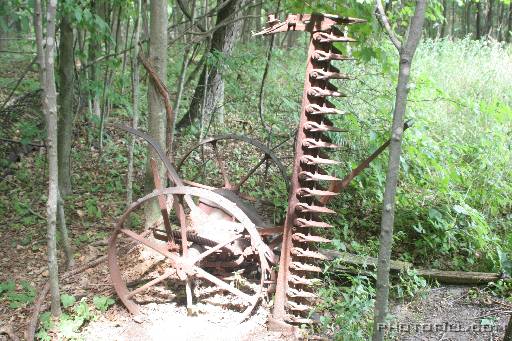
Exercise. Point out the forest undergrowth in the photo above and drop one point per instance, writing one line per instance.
(455, 194)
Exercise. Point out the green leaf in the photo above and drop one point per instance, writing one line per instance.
(102, 303)
(7, 286)
(67, 300)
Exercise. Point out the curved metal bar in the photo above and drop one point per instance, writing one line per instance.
(253, 142)
(158, 149)
(161, 154)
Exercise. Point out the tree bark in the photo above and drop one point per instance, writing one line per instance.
(61, 219)
(135, 101)
(488, 20)
(445, 18)
(157, 119)
(223, 41)
(65, 101)
(478, 20)
(452, 26)
(468, 18)
(509, 26)
(94, 49)
(500, 22)
(261, 102)
(406, 54)
(47, 77)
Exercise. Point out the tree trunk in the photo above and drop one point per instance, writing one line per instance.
(488, 20)
(500, 22)
(509, 26)
(135, 101)
(61, 219)
(478, 21)
(94, 50)
(223, 41)
(406, 54)
(47, 77)
(445, 19)
(157, 115)
(65, 98)
(468, 18)
(452, 26)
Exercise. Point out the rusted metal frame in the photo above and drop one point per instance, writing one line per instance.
(173, 175)
(223, 285)
(305, 22)
(175, 259)
(187, 265)
(164, 92)
(168, 273)
(338, 186)
(162, 202)
(279, 311)
(214, 249)
(248, 140)
(180, 262)
(250, 173)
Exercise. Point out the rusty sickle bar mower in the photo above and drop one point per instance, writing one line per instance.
(217, 229)
(298, 268)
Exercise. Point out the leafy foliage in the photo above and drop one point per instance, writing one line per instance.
(17, 295)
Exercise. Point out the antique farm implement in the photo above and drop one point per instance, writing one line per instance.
(210, 232)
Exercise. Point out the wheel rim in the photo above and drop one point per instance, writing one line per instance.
(187, 267)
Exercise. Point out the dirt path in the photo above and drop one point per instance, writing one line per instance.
(170, 322)
(452, 314)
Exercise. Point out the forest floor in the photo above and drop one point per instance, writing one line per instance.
(482, 315)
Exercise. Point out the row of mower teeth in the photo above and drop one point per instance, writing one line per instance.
(298, 266)
(303, 254)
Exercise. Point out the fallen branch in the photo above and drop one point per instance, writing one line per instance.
(19, 142)
(18, 82)
(39, 303)
(445, 277)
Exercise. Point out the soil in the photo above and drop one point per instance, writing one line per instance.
(452, 313)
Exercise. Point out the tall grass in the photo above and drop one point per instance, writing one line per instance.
(454, 202)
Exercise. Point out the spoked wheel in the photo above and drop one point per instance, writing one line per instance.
(202, 239)
(236, 164)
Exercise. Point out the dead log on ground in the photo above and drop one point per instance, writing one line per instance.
(445, 277)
